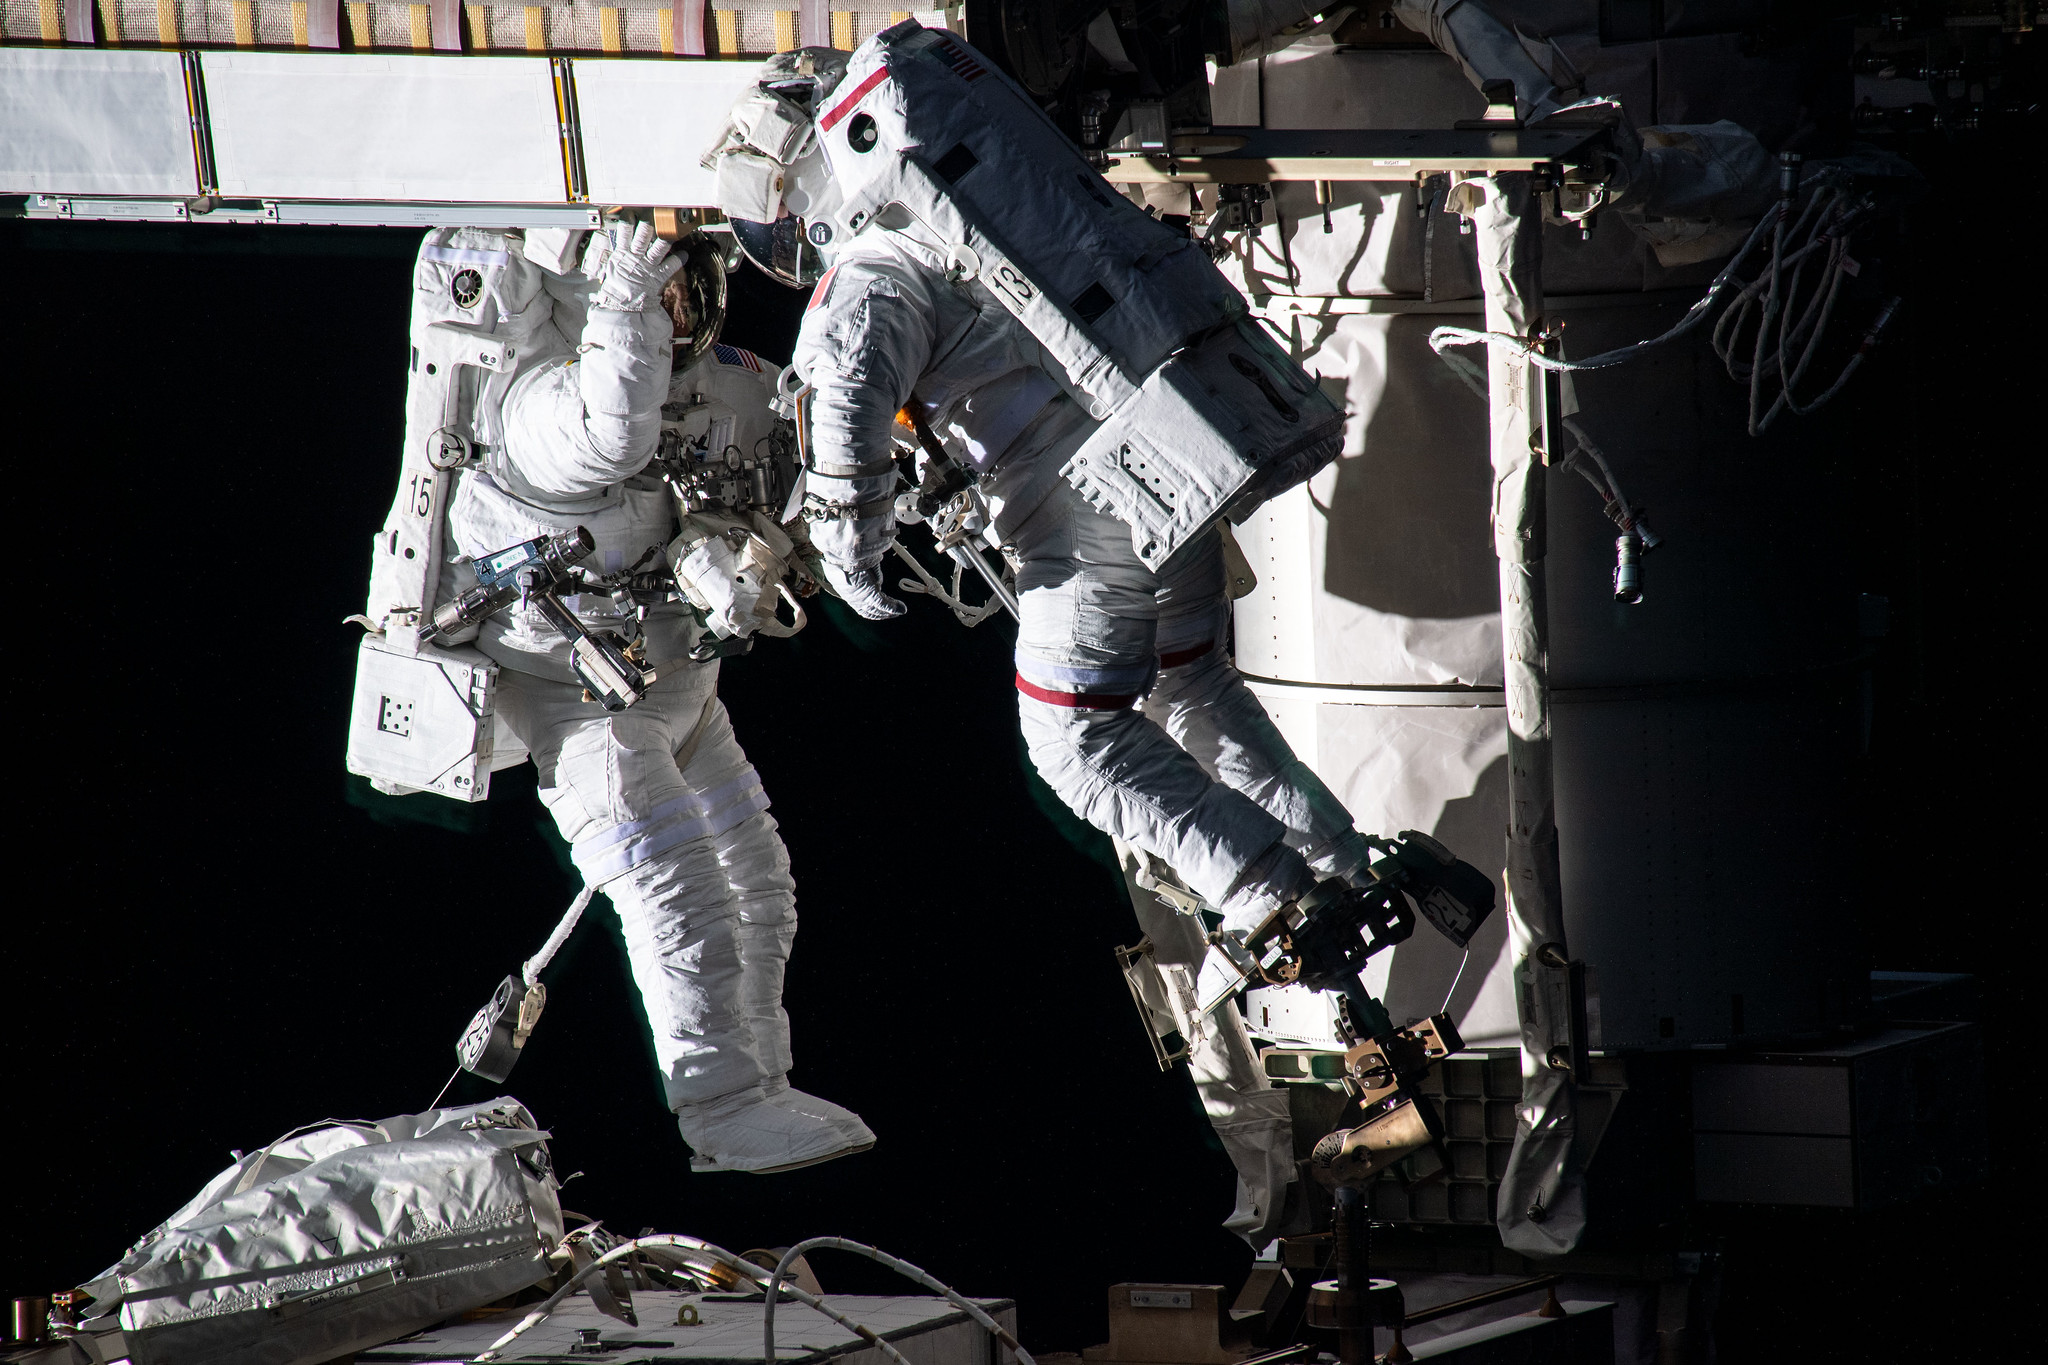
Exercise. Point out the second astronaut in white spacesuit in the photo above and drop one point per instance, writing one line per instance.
(1128, 701)
(661, 808)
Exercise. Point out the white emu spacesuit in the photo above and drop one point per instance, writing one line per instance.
(983, 274)
(661, 809)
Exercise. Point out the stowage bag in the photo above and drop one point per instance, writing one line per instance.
(335, 1238)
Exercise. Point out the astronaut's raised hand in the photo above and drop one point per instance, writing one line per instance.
(630, 265)
(861, 589)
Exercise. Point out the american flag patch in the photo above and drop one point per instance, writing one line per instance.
(963, 66)
(733, 355)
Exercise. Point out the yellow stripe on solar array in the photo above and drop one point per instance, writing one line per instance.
(479, 28)
(298, 22)
(842, 29)
(536, 29)
(110, 20)
(785, 30)
(167, 22)
(245, 23)
(608, 28)
(359, 22)
(728, 25)
(665, 28)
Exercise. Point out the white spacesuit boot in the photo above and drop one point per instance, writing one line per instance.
(756, 867)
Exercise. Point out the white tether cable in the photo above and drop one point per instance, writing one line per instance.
(536, 964)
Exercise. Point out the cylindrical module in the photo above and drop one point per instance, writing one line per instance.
(1703, 743)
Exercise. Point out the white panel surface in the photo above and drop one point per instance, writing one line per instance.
(645, 124)
(86, 122)
(370, 126)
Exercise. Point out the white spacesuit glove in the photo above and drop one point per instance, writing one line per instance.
(630, 265)
(861, 589)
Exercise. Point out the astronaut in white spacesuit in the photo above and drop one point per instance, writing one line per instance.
(661, 809)
(1130, 706)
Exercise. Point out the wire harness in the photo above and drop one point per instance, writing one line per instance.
(1814, 221)
(716, 1266)
(1778, 319)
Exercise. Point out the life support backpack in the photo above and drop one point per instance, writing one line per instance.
(422, 717)
(1203, 414)
(336, 1238)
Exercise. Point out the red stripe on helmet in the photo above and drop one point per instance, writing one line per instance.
(841, 109)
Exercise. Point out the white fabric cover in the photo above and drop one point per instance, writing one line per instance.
(643, 126)
(365, 125)
(1249, 1113)
(748, 187)
(86, 122)
(338, 1238)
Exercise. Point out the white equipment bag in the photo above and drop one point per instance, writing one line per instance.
(334, 1239)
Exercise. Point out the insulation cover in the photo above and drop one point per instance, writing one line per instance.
(335, 1238)
(87, 122)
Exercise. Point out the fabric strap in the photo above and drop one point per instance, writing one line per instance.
(883, 465)
(1084, 701)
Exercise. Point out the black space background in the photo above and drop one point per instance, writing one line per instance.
(215, 935)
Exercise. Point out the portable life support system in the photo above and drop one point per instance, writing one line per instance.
(1203, 414)
(334, 1238)
(422, 718)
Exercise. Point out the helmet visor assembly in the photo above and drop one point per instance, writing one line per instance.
(773, 183)
(695, 298)
(780, 249)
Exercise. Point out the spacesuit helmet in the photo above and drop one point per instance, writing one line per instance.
(774, 182)
(695, 298)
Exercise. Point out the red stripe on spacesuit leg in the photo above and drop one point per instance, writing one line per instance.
(840, 110)
(1080, 701)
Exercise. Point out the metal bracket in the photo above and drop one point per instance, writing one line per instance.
(570, 122)
(202, 131)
